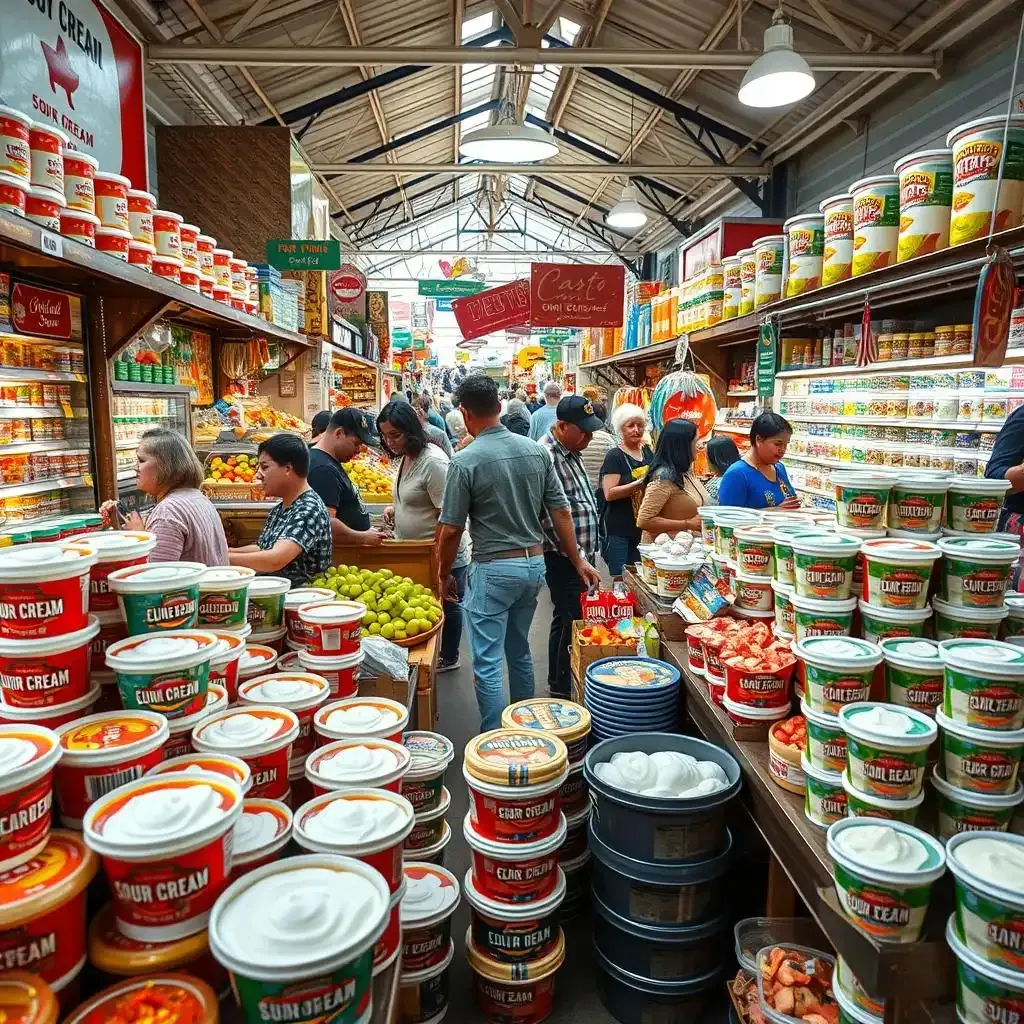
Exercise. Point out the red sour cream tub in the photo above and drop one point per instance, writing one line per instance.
(520, 993)
(113, 241)
(112, 629)
(165, 844)
(53, 716)
(43, 207)
(167, 267)
(42, 910)
(115, 549)
(189, 255)
(517, 872)
(222, 268)
(256, 660)
(333, 627)
(390, 943)
(46, 145)
(15, 152)
(180, 742)
(140, 254)
(261, 833)
(205, 244)
(167, 233)
(48, 671)
(44, 589)
(260, 736)
(79, 226)
(361, 718)
(358, 764)
(189, 278)
(368, 824)
(101, 752)
(140, 216)
(112, 200)
(80, 181)
(13, 191)
(423, 995)
(514, 934)
(431, 896)
(423, 782)
(295, 599)
(339, 670)
(301, 692)
(224, 666)
(28, 754)
(225, 765)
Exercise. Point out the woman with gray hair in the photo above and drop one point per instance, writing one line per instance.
(622, 477)
(187, 526)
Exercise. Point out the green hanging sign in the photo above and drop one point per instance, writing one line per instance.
(767, 350)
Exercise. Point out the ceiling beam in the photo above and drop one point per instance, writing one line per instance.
(696, 169)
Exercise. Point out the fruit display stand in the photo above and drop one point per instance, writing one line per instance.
(800, 869)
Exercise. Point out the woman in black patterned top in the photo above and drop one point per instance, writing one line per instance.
(296, 540)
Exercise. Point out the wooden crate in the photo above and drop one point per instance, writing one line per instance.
(416, 559)
(582, 655)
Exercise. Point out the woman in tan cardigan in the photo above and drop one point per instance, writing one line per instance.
(671, 495)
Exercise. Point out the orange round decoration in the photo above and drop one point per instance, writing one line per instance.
(699, 409)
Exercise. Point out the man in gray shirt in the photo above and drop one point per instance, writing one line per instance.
(503, 483)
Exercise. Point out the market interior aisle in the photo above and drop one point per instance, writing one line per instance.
(576, 999)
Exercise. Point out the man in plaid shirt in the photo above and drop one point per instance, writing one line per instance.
(574, 425)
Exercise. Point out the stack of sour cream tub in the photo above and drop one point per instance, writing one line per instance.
(149, 700)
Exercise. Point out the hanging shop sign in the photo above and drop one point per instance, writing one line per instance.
(993, 304)
(304, 254)
(46, 313)
(401, 338)
(71, 64)
(767, 344)
(573, 295)
(442, 305)
(448, 289)
(346, 292)
(528, 357)
(493, 310)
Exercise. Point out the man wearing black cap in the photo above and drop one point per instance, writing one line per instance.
(575, 423)
(347, 432)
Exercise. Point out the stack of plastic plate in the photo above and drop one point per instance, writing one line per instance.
(625, 695)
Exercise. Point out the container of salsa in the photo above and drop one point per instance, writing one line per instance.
(158, 997)
(27, 999)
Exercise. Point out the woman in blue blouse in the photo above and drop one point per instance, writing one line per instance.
(759, 479)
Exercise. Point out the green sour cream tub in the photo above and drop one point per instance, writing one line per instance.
(975, 571)
(862, 805)
(979, 760)
(782, 536)
(886, 748)
(158, 596)
(837, 671)
(915, 506)
(879, 624)
(961, 811)
(224, 596)
(266, 601)
(825, 747)
(727, 519)
(973, 504)
(898, 572)
(824, 799)
(785, 616)
(884, 873)
(297, 937)
(823, 565)
(812, 617)
(862, 499)
(953, 621)
(847, 983)
(914, 674)
(989, 917)
(986, 993)
(984, 683)
(755, 550)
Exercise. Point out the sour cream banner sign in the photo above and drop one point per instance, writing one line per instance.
(71, 64)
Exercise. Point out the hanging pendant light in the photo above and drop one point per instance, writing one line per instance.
(780, 75)
(508, 140)
(627, 213)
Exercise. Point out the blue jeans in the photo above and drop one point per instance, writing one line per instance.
(500, 603)
(451, 631)
(620, 552)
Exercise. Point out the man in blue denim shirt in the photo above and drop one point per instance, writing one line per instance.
(503, 483)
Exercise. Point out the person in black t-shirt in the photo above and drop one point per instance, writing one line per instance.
(618, 484)
(348, 430)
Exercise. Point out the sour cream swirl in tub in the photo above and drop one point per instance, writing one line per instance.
(886, 748)
(989, 872)
(267, 923)
(431, 896)
(984, 683)
(356, 717)
(370, 824)
(44, 589)
(358, 764)
(884, 875)
(256, 660)
(837, 671)
(165, 843)
(261, 833)
(301, 692)
(975, 571)
(158, 597)
(233, 768)
(224, 596)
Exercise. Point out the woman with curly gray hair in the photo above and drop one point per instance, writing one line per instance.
(622, 476)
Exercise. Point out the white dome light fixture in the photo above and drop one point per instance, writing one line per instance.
(780, 76)
(508, 140)
(627, 213)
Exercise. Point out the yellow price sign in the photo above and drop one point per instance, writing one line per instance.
(87, 479)
(69, 413)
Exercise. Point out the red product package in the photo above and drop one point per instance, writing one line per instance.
(607, 606)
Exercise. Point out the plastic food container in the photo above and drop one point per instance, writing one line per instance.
(785, 614)
(224, 596)
(46, 145)
(954, 621)
(257, 660)
(514, 778)
(862, 499)
(115, 549)
(759, 689)
(975, 572)
(423, 994)
(747, 714)
(300, 692)
(755, 550)
(102, 752)
(886, 748)
(79, 226)
(960, 810)
(165, 843)
(673, 574)
(916, 505)
(770, 253)
(296, 598)
(266, 601)
(429, 827)
(53, 716)
(224, 665)
(357, 764)
(754, 593)
(167, 672)
(979, 760)
(342, 900)
(368, 824)
(180, 741)
(340, 670)
(47, 671)
(29, 997)
(44, 589)
(648, 570)
(868, 805)
(883, 878)
(926, 196)
(984, 990)
(141, 255)
(984, 683)
(431, 753)
(878, 624)
(784, 763)
(13, 191)
(361, 718)
(782, 535)
(43, 206)
(898, 572)
(28, 754)
(825, 799)
(260, 835)
(42, 909)
(180, 995)
(112, 200)
(140, 216)
(876, 222)
(114, 242)
(813, 617)
(503, 990)
(514, 872)
(431, 896)
(332, 627)
(158, 597)
(823, 565)
(973, 504)
(806, 247)
(837, 671)
(913, 673)
(825, 748)
(15, 149)
(568, 721)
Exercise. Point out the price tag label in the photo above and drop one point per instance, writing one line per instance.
(69, 413)
(87, 479)
(52, 245)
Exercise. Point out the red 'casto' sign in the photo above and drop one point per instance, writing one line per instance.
(493, 310)
(576, 295)
(45, 313)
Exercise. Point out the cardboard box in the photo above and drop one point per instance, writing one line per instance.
(582, 655)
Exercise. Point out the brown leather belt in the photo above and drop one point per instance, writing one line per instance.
(537, 549)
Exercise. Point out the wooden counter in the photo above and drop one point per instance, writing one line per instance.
(908, 975)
